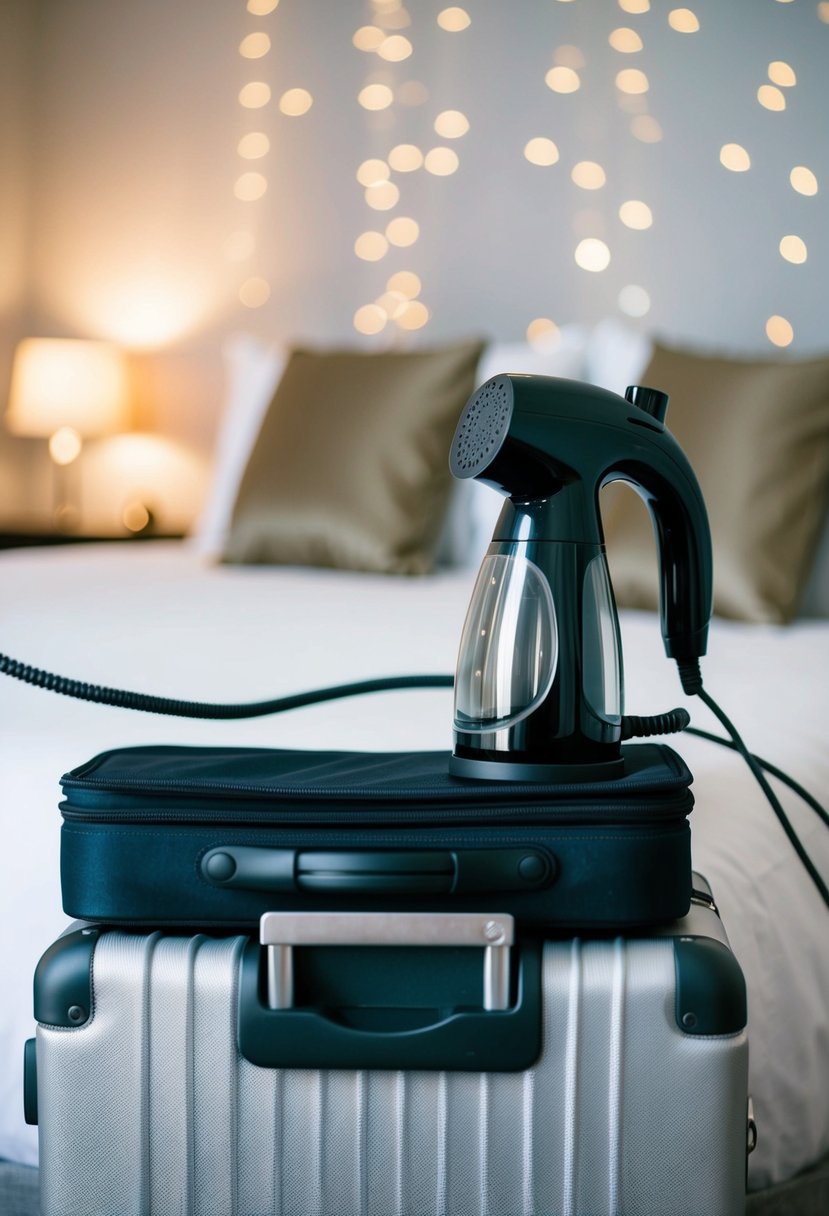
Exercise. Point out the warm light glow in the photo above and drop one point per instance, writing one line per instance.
(451, 124)
(402, 231)
(771, 97)
(635, 214)
(406, 283)
(592, 254)
(396, 18)
(646, 129)
(414, 316)
(635, 6)
(683, 20)
(782, 73)
(803, 180)
(562, 80)
(395, 48)
(239, 245)
(254, 46)
(441, 161)
(255, 292)
(588, 175)
(543, 334)
(372, 172)
(625, 40)
(793, 249)
(735, 158)
(66, 382)
(634, 301)
(65, 445)
(541, 151)
(412, 93)
(382, 196)
(254, 95)
(250, 186)
(254, 145)
(823, 11)
(371, 246)
(295, 102)
(368, 38)
(569, 57)
(405, 157)
(779, 331)
(375, 97)
(393, 304)
(132, 476)
(631, 80)
(149, 302)
(261, 8)
(370, 319)
(453, 20)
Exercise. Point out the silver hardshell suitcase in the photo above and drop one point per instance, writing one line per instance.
(201, 1075)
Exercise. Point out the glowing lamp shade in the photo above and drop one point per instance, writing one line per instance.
(63, 382)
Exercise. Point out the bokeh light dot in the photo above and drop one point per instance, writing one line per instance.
(625, 40)
(683, 20)
(441, 161)
(371, 172)
(735, 158)
(255, 292)
(634, 301)
(250, 186)
(382, 196)
(254, 145)
(402, 231)
(451, 124)
(371, 246)
(414, 316)
(803, 180)
(261, 8)
(562, 80)
(295, 102)
(631, 80)
(375, 97)
(793, 249)
(592, 254)
(636, 214)
(393, 304)
(588, 175)
(646, 129)
(779, 331)
(368, 38)
(541, 151)
(782, 73)
(543, 334)
(254, 95)
(823, 11)
(404, 158)
(406, 282)
(634, 6)
(370, 319)
(254, 46)
(454, 19)
(395, 48)
(770, 97)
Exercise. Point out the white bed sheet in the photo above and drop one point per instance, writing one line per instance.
(157, 618)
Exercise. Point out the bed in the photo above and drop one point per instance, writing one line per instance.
(162, 617)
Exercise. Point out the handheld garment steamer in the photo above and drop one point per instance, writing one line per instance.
(539, 688)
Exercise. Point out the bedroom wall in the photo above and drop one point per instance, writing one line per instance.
(139, 233)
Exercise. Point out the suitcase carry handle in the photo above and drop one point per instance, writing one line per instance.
(494, 1035)
(379, 871)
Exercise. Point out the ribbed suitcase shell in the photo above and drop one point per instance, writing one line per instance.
(149, 1110)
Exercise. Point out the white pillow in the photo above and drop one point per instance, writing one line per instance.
(475, 507)
(253, 371)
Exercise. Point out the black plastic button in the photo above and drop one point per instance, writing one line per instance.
(532, 868)
(652, 400)
(220, 867)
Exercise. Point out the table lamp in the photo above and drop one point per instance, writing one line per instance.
(66, 390)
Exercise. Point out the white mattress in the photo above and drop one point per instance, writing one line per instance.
(156, 618)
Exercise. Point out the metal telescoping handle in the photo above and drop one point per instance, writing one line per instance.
(281, 931)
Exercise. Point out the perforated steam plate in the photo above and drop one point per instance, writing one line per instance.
(482, 427)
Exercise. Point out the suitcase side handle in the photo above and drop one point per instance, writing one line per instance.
(279, 932)
(378, 871)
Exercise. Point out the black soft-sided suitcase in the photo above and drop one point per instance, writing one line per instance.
(213, 837)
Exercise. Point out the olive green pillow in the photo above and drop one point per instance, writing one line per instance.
(351, 466)
(757, 435)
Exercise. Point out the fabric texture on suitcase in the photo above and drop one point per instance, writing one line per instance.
(149, 1109)
(147, 831)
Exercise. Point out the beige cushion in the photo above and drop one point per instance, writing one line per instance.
(757, 435)
(350, 468)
